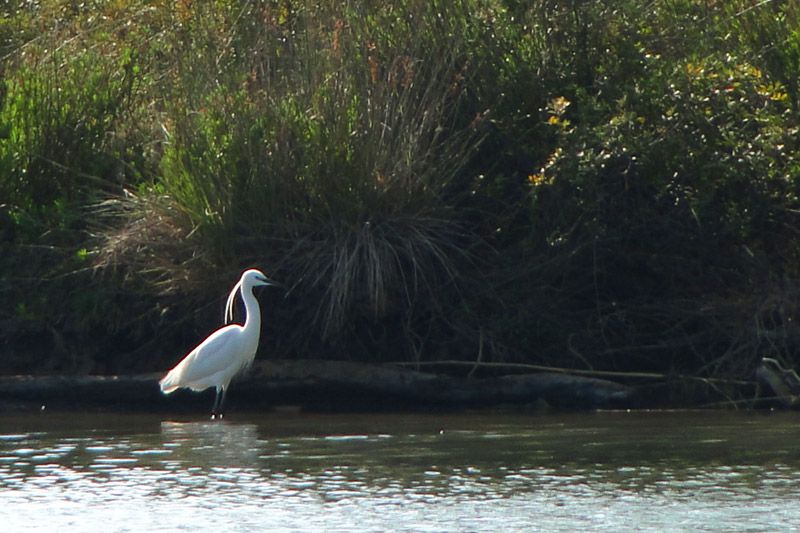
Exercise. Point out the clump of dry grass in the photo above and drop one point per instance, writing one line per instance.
(336, 162)
(144, 235)
(383, 266)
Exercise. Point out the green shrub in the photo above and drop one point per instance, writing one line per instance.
(70, 138)
(680, 190)
(62, 116)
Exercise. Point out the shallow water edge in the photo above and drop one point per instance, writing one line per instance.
(607, 471)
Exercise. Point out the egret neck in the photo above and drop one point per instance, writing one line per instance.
(252, 320)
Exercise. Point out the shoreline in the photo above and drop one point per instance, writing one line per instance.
(335, 386)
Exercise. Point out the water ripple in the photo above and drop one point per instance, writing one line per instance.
(598, 473)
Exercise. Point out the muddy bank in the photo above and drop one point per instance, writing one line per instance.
(337, 386)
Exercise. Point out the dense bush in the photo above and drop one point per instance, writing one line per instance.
(575, 184)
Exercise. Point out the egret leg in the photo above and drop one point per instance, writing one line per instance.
(221, 402)
(215, 407)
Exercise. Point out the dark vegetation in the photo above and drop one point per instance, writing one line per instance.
(592, 185)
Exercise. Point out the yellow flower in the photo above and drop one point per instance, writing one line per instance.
(559, 105)
(536, 179)
(694, 70)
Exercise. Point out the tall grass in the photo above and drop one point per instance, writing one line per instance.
(337, 158)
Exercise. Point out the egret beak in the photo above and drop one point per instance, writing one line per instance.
(266, 282)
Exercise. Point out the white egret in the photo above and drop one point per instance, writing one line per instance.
(227, 351)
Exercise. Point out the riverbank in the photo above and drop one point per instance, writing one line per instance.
(328, 386)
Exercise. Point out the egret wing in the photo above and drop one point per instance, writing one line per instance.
(213, 355)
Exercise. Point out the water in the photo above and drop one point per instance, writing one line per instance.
(680, 471)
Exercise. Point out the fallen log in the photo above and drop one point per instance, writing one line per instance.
(111, 391)
(324, 385)
(356, 382)
(784, 382)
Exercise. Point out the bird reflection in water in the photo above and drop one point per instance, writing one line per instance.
(212, 444)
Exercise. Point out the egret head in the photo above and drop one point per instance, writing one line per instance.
(255, 278)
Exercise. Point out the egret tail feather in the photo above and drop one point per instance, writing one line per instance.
(169, 383)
